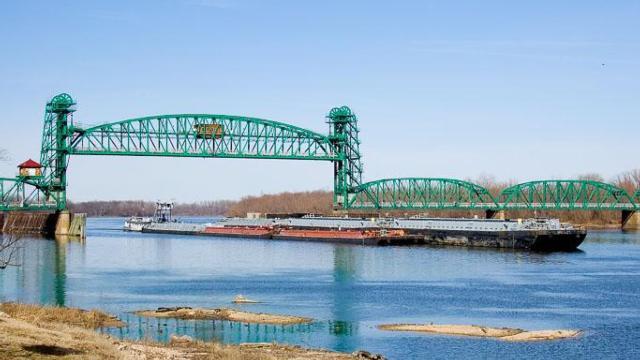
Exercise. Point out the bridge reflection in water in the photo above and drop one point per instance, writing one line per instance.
(42, 279)
(40, 276)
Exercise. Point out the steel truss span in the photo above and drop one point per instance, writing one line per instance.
(202, 135)
(566, 195)
(421, 194)
(191, 135)
(226, 136)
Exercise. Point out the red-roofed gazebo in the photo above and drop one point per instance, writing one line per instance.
(30, 168)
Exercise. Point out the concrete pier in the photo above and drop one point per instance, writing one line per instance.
(19, 222)
(43, 223)
(630, 220)
(63, 223)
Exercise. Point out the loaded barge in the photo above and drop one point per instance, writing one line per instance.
(530, 234)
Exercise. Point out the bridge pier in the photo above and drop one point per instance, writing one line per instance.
(43, 223)
(630, 220)
(68, 224)
(495, 214)
(63, 223)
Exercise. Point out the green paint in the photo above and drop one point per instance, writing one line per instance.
(240, 137)
(566, 195)
(421, 194)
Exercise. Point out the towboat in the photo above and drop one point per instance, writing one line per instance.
(162, 214)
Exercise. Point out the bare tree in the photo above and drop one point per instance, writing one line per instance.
(8, 250)
(629, 180)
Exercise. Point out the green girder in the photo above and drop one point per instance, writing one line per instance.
(177, 136)
(227, 136)
(566, 195)
(54, 151)
(348, 171)
(421, 194)
(194, 135)
(22, 193)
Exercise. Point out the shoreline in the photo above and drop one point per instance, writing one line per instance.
(40, 332)
(187, 313)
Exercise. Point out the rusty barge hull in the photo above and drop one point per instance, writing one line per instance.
(536, 235)
(526, 240)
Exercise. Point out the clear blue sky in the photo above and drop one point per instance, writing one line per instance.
(457, 89)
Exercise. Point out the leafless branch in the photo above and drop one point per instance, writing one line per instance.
(9, 245)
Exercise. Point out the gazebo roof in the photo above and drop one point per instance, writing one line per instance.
(29, 164)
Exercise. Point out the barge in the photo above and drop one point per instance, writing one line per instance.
(528, 234)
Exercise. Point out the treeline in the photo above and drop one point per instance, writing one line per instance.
(146, 208)
(316, 202)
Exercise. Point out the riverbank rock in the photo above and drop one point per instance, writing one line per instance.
(177, 339)
(365, 355)
(239, 299)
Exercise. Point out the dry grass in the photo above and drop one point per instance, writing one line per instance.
(23, 340)
(88, 319)
(34, 332)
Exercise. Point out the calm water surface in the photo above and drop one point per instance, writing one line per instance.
(347, 289)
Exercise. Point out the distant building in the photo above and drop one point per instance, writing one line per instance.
(30, 168)
(255, 215)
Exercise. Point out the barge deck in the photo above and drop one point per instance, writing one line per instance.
(528, 234)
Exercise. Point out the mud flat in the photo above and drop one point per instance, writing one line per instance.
(506, 334)
(188, 313)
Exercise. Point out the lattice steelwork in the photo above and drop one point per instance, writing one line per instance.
(18, 194)
(55, 149)
(421, 194)
(225, 136)
(200, 135)
(566, 195)
(348, 170)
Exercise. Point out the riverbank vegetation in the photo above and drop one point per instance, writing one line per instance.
(146, 208)
(315, 202)
(34, 332)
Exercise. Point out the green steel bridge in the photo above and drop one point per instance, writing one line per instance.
(226, 136)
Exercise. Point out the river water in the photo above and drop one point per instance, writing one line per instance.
(348, 290)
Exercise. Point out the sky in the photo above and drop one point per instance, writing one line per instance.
(461, 89)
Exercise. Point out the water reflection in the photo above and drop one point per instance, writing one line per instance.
(609, 237)
(348, 289)
(345, 265)
(41, 274)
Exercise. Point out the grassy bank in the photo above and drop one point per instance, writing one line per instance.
(35, 332)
